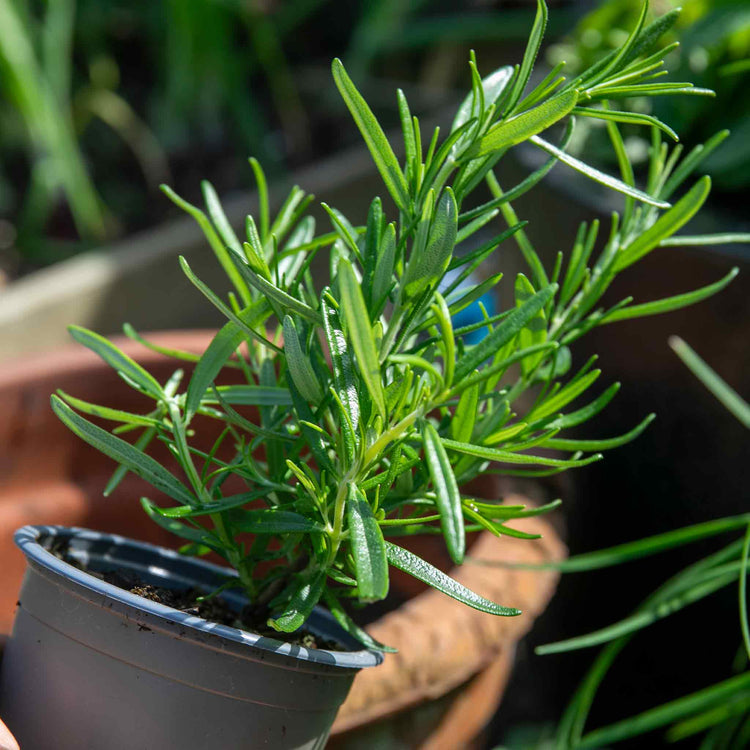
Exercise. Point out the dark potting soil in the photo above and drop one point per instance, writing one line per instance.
(193, 601)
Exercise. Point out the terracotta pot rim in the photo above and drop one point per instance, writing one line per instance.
(74, 357)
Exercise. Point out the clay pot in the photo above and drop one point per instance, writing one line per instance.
(50, 476)
(447, 680)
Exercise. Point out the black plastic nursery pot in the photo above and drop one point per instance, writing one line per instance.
(90, 665)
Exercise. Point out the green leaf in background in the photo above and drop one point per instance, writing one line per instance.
(448, 498)
(374, 137)
(118, 360)
(367, 547)
(124, 453)
(493, 86)
(357, 325)
(716, 695)
(726, 395)
(304, 599)
(423, 571)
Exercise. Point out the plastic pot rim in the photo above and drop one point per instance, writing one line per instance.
(29, 541)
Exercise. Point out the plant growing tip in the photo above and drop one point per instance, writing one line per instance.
(364, 408)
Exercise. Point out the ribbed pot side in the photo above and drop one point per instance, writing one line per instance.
(89, 665)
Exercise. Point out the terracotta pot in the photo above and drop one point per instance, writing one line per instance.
(50, 476)
(448, 678)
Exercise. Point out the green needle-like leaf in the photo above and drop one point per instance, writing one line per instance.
(727, 395)
(532, 50)
(182, 530)
(351, 627)
(103, 412)
(501, 335)
(123, 452)
(448, 497)
(520, 128)
(534, 332)
(299, 365)
(666, 225)
(249, 395)
(426, 267)
(374, 137)
(493, 86)
(423, 571)
(118, 360)
(357, 323)
(596, 175)
(343, 368)
(301, 605)
(667, 713)
(462, 424)
(221, 348)
(669, 304)
(272, 521)
(367, 547)
(509, 457)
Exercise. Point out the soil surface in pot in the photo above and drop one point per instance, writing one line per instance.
(195, 602)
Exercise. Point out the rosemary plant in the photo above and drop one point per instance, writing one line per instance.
(373, 411)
